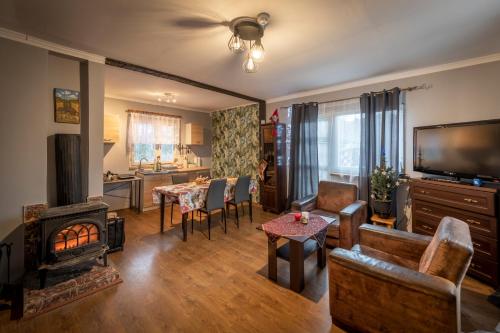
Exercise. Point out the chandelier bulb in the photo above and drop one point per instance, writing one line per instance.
(250, 66)
(257, 51)
(236, 44)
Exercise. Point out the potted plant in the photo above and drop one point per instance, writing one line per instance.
(383, 181)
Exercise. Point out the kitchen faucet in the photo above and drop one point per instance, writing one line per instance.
(140, 163)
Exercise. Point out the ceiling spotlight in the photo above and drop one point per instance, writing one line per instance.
(170, 97)
(159, 99)
(249, 30)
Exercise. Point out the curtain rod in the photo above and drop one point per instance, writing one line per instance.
(422, 86)
(154, 113)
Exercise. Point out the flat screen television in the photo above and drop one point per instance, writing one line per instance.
(462, 150)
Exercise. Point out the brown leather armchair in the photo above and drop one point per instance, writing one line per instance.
(396, 281)
(338, 200)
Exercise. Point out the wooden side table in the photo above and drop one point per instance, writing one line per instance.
(388, 222)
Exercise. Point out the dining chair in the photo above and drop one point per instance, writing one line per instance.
(178, 178)
(241, 195)
(214, 201)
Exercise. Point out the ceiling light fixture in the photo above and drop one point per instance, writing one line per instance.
(170, 97)
(249, 30)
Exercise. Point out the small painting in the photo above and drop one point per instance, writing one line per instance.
(66, 106)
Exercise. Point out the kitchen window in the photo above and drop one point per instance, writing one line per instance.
(150, 135)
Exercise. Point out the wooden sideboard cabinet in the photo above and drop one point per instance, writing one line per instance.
(477, 206)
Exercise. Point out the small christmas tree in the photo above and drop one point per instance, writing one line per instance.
(383, 181)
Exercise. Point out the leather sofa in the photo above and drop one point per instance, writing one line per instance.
(395, 281)
(338, 200)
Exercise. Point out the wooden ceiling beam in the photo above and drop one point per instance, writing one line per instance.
(177, 78)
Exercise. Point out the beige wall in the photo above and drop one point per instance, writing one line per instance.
(465, 94)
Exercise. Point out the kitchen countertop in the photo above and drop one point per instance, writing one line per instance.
(179, 170)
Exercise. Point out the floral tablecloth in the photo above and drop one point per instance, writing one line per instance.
(286, 226)
(192, 196)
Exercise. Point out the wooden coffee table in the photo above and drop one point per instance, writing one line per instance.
(303, 240)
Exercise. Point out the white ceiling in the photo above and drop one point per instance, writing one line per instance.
(309, 44)
(129, 85)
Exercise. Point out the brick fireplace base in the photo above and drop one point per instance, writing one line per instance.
(83, 283)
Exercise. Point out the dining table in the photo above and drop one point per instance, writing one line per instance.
(303, 240)
(191, 196)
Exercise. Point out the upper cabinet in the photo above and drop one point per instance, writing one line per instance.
(111, 128)
(194, 134)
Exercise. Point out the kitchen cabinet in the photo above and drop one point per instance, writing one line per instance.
(111, 128)
(194, 134)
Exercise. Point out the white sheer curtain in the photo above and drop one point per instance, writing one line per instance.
(156, 129)
(148, 132)
(339, 125)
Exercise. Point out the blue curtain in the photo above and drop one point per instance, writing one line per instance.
(304, 171)
(381, 134)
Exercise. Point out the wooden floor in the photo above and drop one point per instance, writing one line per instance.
(211, 286)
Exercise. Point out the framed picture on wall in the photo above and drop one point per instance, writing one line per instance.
(66, 106)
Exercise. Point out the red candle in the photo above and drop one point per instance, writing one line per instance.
(298, 216)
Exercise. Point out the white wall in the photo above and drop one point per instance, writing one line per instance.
(458, 95)
(115, 155)
(23, 131)
(92, 128)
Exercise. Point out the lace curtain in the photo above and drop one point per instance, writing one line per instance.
(149, 131)
(339, 135)
(145, 128)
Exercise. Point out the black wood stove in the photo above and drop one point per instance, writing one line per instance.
(70, 235)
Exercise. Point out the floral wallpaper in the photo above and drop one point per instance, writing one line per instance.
(235, 142)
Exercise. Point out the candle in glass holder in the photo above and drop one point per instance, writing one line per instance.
(305, 217)
(298, 216)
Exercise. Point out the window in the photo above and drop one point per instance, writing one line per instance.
(150, 135)
(150, 151)
(339, 139)
(339, 134)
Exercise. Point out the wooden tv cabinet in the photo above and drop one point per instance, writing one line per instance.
(477, 206)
